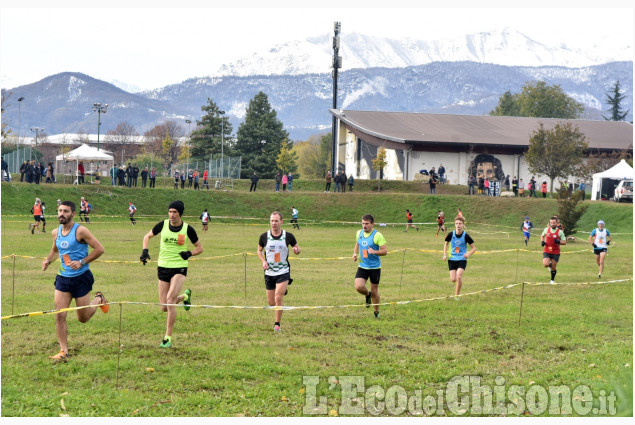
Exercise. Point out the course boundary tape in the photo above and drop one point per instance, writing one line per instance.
(307, 258)
(319, 307)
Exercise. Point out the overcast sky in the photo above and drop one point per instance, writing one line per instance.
(152, 47)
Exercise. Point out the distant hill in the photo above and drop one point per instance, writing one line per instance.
(63, 102)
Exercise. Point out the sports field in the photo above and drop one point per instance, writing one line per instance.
(227, 361)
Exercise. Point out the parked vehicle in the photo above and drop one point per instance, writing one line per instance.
(624, 191)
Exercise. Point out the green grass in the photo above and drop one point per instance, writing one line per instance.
(228, 362)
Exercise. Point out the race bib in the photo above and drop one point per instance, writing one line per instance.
(67, 259)
(364, 253)
(457, 249)
(276, 257)
(180, 240)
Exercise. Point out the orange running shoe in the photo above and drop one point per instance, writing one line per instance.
(60, 357)
(105, 307)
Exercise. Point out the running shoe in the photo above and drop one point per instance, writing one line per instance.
(188, 299)
(369, 300)
(60, 357)
(105, 307)
(32, 229)
(552, 282)
(166, 343)
(376, 313)
(599, 276)
(276, 328)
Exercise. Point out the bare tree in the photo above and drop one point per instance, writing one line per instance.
(155, 137)
(123, 138)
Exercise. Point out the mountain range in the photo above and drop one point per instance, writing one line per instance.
(462, 76)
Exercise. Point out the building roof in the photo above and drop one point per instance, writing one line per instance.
(425, 129)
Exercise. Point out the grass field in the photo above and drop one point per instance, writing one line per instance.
(228, 361)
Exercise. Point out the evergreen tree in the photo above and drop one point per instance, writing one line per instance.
(539, 100)
(508, 105)
(259, 138)
(616, 104)
(206, 139)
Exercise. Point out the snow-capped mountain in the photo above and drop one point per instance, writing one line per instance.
(502, 47)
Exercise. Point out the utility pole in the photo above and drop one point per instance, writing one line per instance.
(337, 64)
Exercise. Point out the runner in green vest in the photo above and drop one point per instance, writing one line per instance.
(172, 264)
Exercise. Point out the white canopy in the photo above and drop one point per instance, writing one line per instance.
(620, 171)
(85, 153)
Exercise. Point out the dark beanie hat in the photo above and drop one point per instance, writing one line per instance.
(177, 205)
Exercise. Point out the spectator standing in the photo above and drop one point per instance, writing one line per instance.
(80, 177)
(5, 170)
(471, 182)
(278, 179)
(336, 179)
(121, 174)
(176, 179)
(486, 187)
(153, 177)
(543, 189)
(49, 173)
(183, 180)
(129, 175)
(433, 184)
(195, 178)
(290, 180)
(582, 189)
(285, 180)
(507, 183)
(441, 174)
(254, 182)
(351, 182)
(328, 179)
(190, 178)
(23, 168)
(481, 185)
(113, 174)
(515, 186)
(135, 175)
(343, 181)
(521, 188)
(144, 177)
(205, 179)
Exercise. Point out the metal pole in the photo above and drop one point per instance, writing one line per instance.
(522, 296)
(13, 287)
(120, 346)
(98, 125)
(336, 66)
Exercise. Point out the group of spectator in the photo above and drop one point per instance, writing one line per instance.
(340, 180)
(128, 176)
(193, 179)
(34, 172)
(284, 180)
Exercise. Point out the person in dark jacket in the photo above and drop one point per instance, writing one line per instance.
(144, 177)
(254, 182)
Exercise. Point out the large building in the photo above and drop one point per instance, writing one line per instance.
(463, 144)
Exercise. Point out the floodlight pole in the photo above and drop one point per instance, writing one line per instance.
(222, 140)
(187, 159)
(337, 64)
(19, 125)
(99, 109)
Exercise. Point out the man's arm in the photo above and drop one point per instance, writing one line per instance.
(355, 251)
(468, 254)
(445, 250)
(265, 265)
(84, 235)
(198, 248)
(383, 250)
(53, 254)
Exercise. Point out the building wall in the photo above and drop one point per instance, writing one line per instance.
(458, 164)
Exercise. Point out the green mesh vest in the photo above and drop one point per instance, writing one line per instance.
(171, 244)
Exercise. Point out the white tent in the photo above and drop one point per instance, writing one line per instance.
(97, 160)
(604, 183)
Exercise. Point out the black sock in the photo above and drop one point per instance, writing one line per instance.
(277, 323)
(553, 274)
